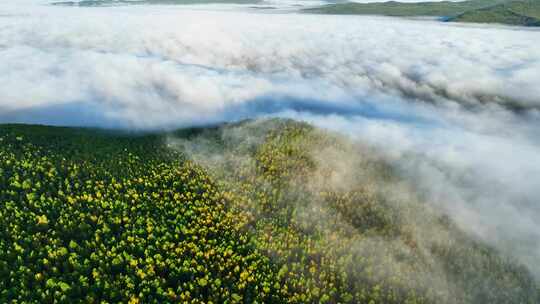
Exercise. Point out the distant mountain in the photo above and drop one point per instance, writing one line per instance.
(513, 12)
(394, 8)
(526, 13)
(91, 3)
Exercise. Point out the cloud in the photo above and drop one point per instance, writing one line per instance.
(455, 107)
(139, 64)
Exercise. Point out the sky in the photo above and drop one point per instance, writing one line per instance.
(438, 100)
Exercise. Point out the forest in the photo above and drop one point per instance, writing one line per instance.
(508, 12)
(262, 211)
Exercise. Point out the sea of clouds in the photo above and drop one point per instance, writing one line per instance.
(455, 107)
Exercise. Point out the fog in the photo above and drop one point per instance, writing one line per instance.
(455, 107)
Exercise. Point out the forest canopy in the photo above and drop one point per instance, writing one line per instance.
(270, 211)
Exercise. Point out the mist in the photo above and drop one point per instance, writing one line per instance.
(456, 108)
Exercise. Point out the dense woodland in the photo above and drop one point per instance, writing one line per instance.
(510, 12)
(257, 212)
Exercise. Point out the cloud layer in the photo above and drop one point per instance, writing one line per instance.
(455, 107)
(149, 67)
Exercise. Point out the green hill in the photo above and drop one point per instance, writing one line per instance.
(516, 12)
(268, 212)
(394, 8)
(526, 13)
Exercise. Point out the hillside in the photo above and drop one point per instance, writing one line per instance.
(525, 13)
(517, 12)
(267, 211)
(404, 9)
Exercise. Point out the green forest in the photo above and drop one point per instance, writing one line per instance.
(510, 12)
(269, 211)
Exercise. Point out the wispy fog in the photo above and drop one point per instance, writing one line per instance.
(456, 108)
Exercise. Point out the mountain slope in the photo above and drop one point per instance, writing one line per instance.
(525, 13)
(516, 12)
(269, 211)
(394, 8)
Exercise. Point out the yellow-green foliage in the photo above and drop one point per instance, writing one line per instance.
(290, 215)
(95, 218)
